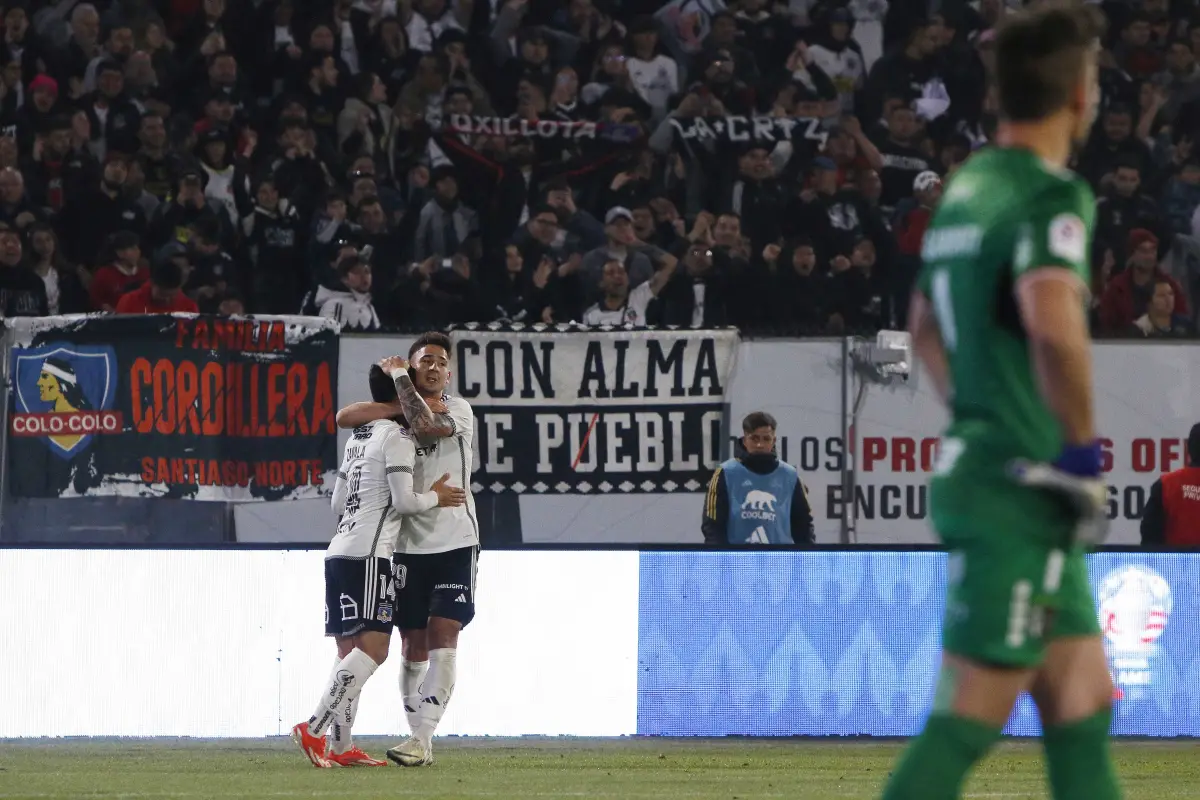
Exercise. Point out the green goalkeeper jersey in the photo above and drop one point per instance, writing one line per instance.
(1004, 212)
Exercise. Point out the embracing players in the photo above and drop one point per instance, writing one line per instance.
(436, 555)
(374, 489)
(999, 321)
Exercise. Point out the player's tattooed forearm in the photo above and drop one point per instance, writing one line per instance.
(420, 418)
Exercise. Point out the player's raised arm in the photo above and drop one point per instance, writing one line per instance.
(927, 343)
(422, 419)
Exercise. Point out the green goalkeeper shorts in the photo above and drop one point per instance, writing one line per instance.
(1014, 580)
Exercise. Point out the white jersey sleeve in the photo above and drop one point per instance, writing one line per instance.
(400, 458)
(338, 501)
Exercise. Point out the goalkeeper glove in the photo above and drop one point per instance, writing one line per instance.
(1074, 476)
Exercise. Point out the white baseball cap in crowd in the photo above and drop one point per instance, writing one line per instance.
(617, 212)
(926, 180)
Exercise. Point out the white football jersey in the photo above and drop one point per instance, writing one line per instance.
(374, 490)
(442, 529)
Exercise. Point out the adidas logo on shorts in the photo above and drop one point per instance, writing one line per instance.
(462, 598)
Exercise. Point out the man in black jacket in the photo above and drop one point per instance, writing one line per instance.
(85, 224)
(114, 118)
(22, 292)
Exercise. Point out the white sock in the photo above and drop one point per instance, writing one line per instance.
(435, 692)
(340, 739)
(339, 733)
(349, 677)
(412, 674)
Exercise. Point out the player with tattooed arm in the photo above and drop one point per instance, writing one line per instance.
(436, 556)
(373, 492)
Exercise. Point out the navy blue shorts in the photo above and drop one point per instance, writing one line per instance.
(435, 585)
(360, 595)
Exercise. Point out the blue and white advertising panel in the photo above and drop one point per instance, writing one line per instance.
(230, 643)
(806, 643)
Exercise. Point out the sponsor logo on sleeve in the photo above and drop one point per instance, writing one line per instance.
(1068, 238)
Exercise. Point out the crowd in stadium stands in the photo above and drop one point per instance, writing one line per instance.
(408, 164)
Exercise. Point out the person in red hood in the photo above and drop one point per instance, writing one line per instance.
(162, 294)
(1129, 293)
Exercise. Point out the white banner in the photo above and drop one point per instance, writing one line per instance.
(1145, 405)
(1145, 401)
(231, 643)
(577, 410)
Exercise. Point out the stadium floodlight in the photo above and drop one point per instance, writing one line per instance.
(887, 362)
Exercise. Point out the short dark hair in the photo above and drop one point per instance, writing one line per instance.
(167, 275)
(1193, 444)
(383, 388)
(435, 338)
(1041, 54)
(758, 419)
(349, 264)
(123, 240)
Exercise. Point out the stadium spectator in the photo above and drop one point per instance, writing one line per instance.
(274, 237)
(1123, 208)
(162, 294)
(22, 292)
(351, 306)
(913, 219)
(214, 272)
(300, 128)
(795, 294)
(1111, 145)
(15, 208)
(99, 213)
(231, 306)
(57, 174)
(1128, 295)
(621, 305)
(123, 272)
(445, 222)
(621, 245)
(65, 292)
(1160, 320)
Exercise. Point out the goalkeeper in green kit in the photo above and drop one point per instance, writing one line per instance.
(998, 319)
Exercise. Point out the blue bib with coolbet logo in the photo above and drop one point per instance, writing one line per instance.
(760, 506)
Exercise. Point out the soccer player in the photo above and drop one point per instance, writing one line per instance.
(999, 320)
(436, 557)
(374, 489)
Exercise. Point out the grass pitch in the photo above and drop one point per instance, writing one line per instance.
(663, 769)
